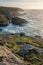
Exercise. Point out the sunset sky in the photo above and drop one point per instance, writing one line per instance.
(25, 4)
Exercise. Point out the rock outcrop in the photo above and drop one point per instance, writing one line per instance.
(19, 21)
(27, 47)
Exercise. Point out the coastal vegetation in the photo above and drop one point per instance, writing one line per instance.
(17, 41)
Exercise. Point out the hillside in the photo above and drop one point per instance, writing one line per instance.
(22, 46)
(8, 14)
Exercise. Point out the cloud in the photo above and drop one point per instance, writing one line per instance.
(21, 0)
(24, 5)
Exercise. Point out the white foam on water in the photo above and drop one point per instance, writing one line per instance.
(33, 27)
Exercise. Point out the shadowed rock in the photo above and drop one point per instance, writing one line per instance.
(2, 63)
(27, 47)
(24, 49)
(1, 58)
(19, 21)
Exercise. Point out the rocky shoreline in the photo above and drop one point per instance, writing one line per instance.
(14, 21)
(7, 14)
(19, 21)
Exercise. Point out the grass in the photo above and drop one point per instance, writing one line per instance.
(2, 43)
(10, 45)
(12, 39)
(32, 58)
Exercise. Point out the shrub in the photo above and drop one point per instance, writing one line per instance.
(2, 43)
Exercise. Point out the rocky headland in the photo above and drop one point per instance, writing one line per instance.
(8, 14)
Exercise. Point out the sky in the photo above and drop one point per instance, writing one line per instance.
(24, 4)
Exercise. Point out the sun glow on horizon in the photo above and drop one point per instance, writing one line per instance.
(23, 5)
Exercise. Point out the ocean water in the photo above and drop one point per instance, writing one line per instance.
(32, 28)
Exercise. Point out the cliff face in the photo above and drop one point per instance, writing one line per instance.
(3, 20)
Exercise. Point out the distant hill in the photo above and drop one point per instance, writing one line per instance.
(10, 11)
(7, 13)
